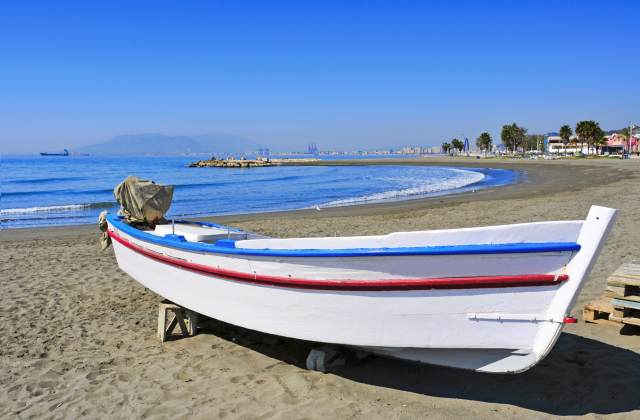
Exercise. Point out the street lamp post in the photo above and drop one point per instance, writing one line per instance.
(631, 127)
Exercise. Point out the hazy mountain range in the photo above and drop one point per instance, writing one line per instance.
(161, 144)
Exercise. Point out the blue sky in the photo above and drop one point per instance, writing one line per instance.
(341, 74)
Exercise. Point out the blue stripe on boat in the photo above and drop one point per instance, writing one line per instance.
(510, 248)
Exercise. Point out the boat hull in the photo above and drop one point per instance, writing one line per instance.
(493, 328)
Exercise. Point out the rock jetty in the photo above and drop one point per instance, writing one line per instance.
(248, 163)
(231, 163)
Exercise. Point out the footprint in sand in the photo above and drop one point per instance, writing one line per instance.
(33, 392)
(243, 379)
(47, 384)
(92, 376)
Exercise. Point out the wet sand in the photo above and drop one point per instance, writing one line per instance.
(78, 336)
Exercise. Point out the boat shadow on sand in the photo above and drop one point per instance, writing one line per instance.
(580, 376)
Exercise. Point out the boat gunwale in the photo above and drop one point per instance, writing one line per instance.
(473, 249)
(477, 282)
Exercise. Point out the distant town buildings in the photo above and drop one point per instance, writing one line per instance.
(618, 144)
(549, 144)
(556, 145)
(418, 150)
(614, 144)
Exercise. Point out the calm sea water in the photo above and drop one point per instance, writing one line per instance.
(46, 191)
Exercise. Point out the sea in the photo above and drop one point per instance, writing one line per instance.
(44, 191)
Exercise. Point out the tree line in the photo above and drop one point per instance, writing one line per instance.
(484, 143)
(516, 138)
(588, 132)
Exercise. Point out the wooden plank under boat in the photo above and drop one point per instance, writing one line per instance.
(491, 299)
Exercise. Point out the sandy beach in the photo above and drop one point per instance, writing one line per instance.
(78, 335)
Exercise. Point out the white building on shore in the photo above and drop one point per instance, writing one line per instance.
(555, 145)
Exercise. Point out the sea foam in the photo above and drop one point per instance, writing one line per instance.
(49, 209)
(461, 179)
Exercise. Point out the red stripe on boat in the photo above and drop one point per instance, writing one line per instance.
(382, 284)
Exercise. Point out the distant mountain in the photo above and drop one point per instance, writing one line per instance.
(160, 144)
(624, 130)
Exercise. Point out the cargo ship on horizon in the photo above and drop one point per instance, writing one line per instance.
(65, 152)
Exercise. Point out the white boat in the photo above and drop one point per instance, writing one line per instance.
(491, 299)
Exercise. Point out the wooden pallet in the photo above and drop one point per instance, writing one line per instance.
(630, 308)
(601, 311)
(621, 302)
(628, 274)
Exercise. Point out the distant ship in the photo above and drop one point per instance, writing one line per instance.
(64, 153)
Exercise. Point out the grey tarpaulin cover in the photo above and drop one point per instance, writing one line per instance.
(143, 201)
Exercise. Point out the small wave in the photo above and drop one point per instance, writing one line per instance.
(466, 178)
(44, 180)
(68, 207)
(55, 192)
(280, 178)
(22, 219)
(234, 182)
(202, 184)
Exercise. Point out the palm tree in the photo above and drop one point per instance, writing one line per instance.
(588, 131)
(513, 137)
(457, 144)
(532, 142)
(446, 147)
(599, 139)
(506, 135)
(600, 143)
(484, 141)
(565, 135)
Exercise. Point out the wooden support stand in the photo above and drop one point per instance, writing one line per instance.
(184, 318)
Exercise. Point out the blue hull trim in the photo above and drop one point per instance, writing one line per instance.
(175, 241)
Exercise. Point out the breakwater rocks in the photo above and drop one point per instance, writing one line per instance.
(230, 163)
(246, 163)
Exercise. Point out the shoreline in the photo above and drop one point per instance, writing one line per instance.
(475, 186)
